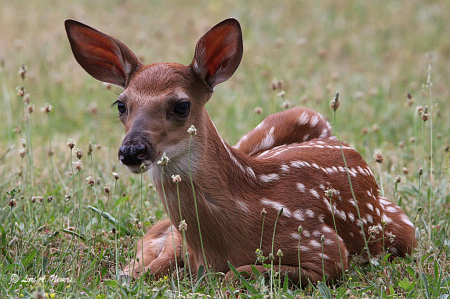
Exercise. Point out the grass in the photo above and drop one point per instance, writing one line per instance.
(374, 53)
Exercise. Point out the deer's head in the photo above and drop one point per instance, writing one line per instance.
(160, 101)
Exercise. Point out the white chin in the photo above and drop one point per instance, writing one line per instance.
(138, 169)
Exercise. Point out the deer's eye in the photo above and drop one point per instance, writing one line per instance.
(182, 109)
(121, 107)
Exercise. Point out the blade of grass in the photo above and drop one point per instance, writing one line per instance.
(244, 282)
(111, 219)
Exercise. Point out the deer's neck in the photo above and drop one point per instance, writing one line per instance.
(211, 187)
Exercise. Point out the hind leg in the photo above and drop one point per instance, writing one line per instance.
(399, 233)
(295, 125)
(313, 261)
(155, 251)
(310, 273)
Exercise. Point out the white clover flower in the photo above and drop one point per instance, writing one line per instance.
(192, 130)
(164, 160)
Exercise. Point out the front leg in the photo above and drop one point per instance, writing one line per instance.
(155, 251)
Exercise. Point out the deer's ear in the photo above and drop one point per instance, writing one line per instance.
(102, 56)
(219, 52)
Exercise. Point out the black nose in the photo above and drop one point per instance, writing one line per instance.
(132, 154)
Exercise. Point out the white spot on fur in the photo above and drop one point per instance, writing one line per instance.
(299, 215)
(328, 241)
(306, 233)
(370, 206)
(324, 256)
(386, 219)
(384, 201)
(295, 236)
(314, 193)
(369, 218)
(284, 168)
(391, 209)
(314, 243)
(296, 164)
(361, 171)
(305, 248)
(351, 217)
(324, 133)
(260, 125)
(378, 211)
(266, 178)
(266, 142)
(301, 187)
(328, 205)
(341, 214)
(277, 206)
(303, 119)
(316, 233)
(406, 219)
(315, 166)
(309, 213)
(314, 121)
(326, 229)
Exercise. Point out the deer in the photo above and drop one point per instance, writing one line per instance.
(283, 168)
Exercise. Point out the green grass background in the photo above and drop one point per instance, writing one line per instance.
(373, 52)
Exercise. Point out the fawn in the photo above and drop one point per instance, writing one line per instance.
(287, 162)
